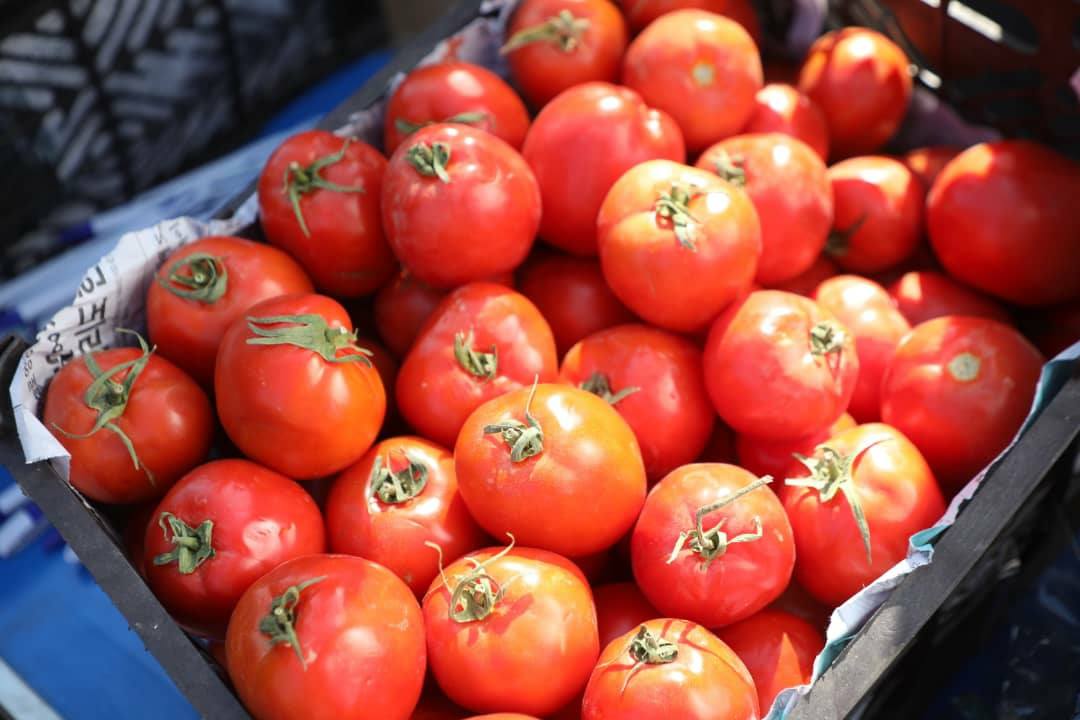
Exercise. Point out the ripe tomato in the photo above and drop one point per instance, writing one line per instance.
(219, 529)
(1002, 218)
(777, 648)
(326, 211)
(298, 626)
(924, 295)
(960, 387)
(641, 13)
(669, 669)
(927, 162)
(853, 506)
(712, 545)
(702, 68)
(579, 145)
(654, 380)
(401, 308)
(664, 224)
(806, 283)
(554, 465)
(765, 456)
(620, 608)
(780, 108)
(779, 365)
(132, 421)
(444, 174)
(1054, 329)
(482, 341)
(553, 45)
(511, 629)
(401, 495)
(860, 80)
(455, 92)
(787, 183)
(294, 390)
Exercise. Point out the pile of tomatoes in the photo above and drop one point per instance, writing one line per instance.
(623, 473)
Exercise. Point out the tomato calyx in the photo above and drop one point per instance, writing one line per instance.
(430, 160)
(311, 332)
(280, 623)
(192, 546)
(394, 487)
(674, 206)
(647, 648)
(483, 365)
(598, 384)
(563, 30)
(205, 281)
(839, 240)
(730, 168)
(525, 439)
(300, 180)
(964, 367)
(713, 543)
(408, 127)
(827, 338)
(477, 593)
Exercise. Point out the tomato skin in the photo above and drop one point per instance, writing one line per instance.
(620, 608)
(401, 307)
(355, 599)
(706, 681)
(987, 208)
(580, 144)
(761, 371)
(647, 265)
(670, 413)
(436, 394)
(924, 295)
(859, 78)
(346, 252)
(533, 653)
(899, 497)
(781, 108)
(806, 283)
(260, 519)
(926, 163)
(765, 456)
(701, 68)
(788, 185)
(289, 409)
(959, 416)
(168, 419)
(434, 93)
(642, 13)
(550, 500)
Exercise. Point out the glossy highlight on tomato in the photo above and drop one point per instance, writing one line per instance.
(781, 108)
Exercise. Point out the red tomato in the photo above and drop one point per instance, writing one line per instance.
(669, 669)
(641, 13)
(870, 471)
(553, 45)
(960, 387)
(511, 629)
(654, 380)
(132, 421)
(924, 295)
(219, 529)
(326, 211)
(860, 80)
(721, 446)
(620, 608)
(780, 108)
(443, 174)
(384, 363)
(765, 456)
(554, 465)
(779, 365)
(401, 307)
(878, 208)
(579, 145)
(1002, 218)
(296, 629)
(456, 92)
(662, 226)
(927, 162)
(1054, 329)
(777, 648)
(700, 67)
(806, 283)
(787, 183)
(482, 341)
(294, 390)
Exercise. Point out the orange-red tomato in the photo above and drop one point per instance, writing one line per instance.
(642, 13)
(620, 608)
(924, 295)
(806, 283)
(765, 456)
(401, 308)
(928, 162)
(781, 108)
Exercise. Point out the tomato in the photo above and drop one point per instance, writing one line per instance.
(325, 213)
(456, 92)
(571, 294)
(669, 669)
(779, 365)
(664, 224)
(869, 471)
(554, 465)
(620, 608)
(641, 13)
(482, 341)
(654, 380)
(511, 630)
(721, 446)
(299, 626)
(401, 307)
(579, 145)
(1002, 218)
(443, 175)
(960, 387)
(1054, 329)
(219, 529)
(927, 162)
(925, 295)
(777, 648)
(860, 80)
(787, 183)
(132, 422)
(780, 108)
(553, 45)
(765, 456)
(806, 283)
(294, 391)
(702, 68)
